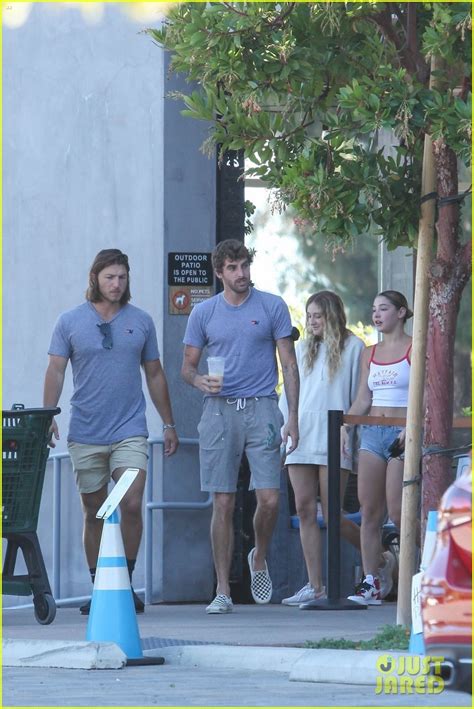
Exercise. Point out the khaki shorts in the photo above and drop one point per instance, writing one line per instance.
(230, 427)
(94, 465)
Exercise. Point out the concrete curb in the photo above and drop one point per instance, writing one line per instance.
(274, 659)
(301, 665)
(340, 666)
(63, 654)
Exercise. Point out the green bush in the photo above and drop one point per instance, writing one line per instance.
(391, 637)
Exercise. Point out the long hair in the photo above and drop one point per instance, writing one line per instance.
(335, 331)
(398, 300)
(104, 259)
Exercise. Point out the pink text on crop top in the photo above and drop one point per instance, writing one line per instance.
(388, 381)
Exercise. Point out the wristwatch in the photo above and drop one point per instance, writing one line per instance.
(168, 425)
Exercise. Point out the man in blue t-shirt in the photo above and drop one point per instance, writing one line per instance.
(107, 340)
(240, 413)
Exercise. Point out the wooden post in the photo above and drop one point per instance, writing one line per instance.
(411, 470)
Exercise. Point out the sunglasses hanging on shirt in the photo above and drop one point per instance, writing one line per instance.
(106, 332)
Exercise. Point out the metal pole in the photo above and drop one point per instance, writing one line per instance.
(149, 529)
(182, 505)
(56, 528)
(333, 555)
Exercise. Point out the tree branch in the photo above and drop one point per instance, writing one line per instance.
(231, 7)
(277, 22)
(284, 15)
(410, 56)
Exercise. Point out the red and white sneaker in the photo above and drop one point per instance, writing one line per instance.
(368, 592)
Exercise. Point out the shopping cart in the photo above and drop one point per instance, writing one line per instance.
(24, 455)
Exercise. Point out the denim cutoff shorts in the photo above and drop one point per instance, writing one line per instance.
(378, 439)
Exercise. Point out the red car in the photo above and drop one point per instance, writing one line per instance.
(446, 587)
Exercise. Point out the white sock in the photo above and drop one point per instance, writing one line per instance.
(370, 579)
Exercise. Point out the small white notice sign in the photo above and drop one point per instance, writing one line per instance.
(416, 619)
(118, 492)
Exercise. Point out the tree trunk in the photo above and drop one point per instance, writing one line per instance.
(449, 273)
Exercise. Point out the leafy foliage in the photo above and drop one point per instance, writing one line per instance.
(306, 89)
(391, 637)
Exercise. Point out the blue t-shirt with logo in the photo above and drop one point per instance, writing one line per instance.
(108, 404)
(245, 335)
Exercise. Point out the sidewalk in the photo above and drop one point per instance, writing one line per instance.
(251, 657)
(271, 625)
(268, 637)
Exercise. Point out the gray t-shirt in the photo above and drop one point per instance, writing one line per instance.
(108, 403)
(245, 335)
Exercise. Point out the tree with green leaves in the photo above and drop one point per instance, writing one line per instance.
(352, 273)
(306, 90)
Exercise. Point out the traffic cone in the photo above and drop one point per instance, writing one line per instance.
(112, 616)
(430, 539)
(417, 644)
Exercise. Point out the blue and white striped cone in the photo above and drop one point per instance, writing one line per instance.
(430, 539)
(112, 616)
(417, 643)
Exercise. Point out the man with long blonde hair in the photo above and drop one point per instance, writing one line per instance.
(107, 341)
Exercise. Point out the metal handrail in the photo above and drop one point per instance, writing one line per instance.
(150, 506)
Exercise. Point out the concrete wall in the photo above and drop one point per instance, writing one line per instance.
(83, 125)
(87, 159)
(189, 225)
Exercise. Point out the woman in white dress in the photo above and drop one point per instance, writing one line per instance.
(328, 361)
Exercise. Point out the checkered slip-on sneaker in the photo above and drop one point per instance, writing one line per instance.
(220, 604)
(261, 586)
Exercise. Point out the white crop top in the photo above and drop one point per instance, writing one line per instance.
(388, 381)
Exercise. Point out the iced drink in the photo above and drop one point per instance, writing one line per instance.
(215, 366)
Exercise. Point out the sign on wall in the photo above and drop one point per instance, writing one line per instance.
(190, 280)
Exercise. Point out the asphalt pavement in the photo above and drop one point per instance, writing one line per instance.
(255, 656)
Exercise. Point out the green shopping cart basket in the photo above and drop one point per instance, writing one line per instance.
(25, 437)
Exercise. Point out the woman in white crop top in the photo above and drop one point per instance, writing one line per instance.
(383, 391)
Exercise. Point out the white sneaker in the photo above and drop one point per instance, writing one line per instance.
(307, 593)
(220, 604)
(385, 574)
(367, 594)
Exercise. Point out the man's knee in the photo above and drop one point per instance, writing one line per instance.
(131, 507)
(91, 502)
(267, 500)
(223, 504)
